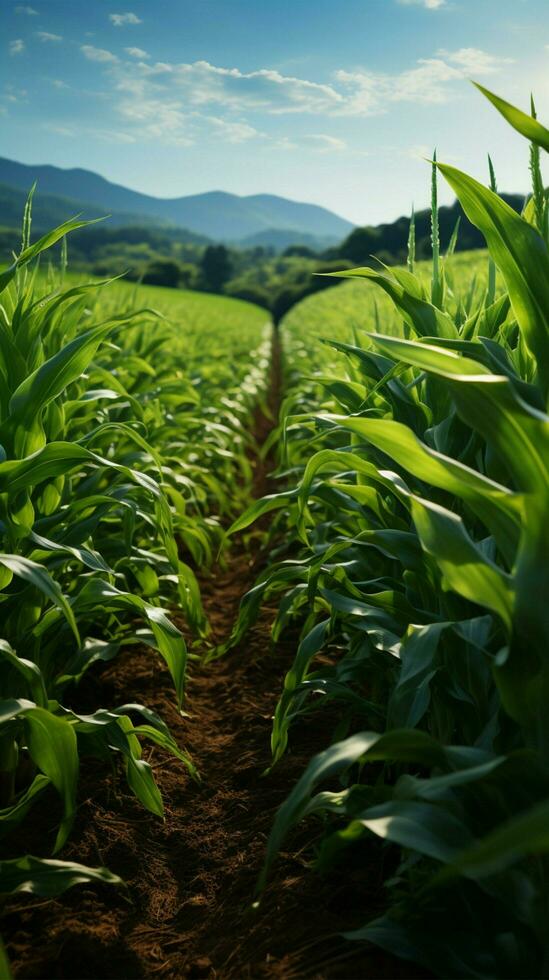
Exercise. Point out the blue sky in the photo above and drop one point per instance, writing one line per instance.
(337, 103)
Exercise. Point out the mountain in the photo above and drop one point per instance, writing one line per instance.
(216, 214)
(49, 210)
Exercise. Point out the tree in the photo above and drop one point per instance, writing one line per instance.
(299, 251)
(163, 272)
(216, 267)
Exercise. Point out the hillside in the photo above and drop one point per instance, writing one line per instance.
(49, 210)
(216, 214)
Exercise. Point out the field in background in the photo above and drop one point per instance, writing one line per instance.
(183, 306)
(358, 304)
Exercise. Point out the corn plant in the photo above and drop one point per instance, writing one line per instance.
(422, 512)
(115, 463)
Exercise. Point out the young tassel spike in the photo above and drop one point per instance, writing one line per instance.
(436, 281)
(412, 242)
(491, 291)
(538, 190)
(64, 259)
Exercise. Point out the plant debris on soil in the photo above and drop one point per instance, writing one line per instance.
(187, 907)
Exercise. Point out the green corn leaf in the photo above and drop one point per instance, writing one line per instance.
(38, 576)
(524, 834)
(57, 459)
(521, 255)
(29, 671)
(256, 510)
(5, 972)
(169, 640)
(427, 829)
(30, 253)
(491, 406)
(48, 878)
(13, 815)
(404, 745)
(47, 382)
(52, 746)
(462, 563)
(422, 317)
(524, 124)
(139, 773)
(494, 503)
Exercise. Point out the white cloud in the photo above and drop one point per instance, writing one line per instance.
(13, 94)
(428, 4)
(157, 119)
(202, 83)
(428, 83)
(182, 103)
(58, 83)
(72, 132)
(325, 143)
(473, 61)
(119, 20)
(233, 132)
(98, 54)
(17, 46)
(45, 36)
(201, 86)
(29, 11)
(60, 130)
(111, 135)
(137, 53)
(370, 93)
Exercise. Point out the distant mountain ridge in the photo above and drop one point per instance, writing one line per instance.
(49, 210)
(217, 215)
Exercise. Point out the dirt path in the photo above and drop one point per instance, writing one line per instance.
(186, 911)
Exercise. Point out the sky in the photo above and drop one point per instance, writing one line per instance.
(337, 103)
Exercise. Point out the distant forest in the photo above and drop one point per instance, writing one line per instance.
(274, 279)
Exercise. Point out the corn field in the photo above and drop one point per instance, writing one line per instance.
(419, 519)
(405, 542)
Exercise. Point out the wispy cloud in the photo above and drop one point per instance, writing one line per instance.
(137, 53)
(59, 83)
(428, 4)
(326, 144)
(184, 103)
(67, 131)
(72, 132)
(98, 54)
(119, 20)
(202, 83)
(427, 83)
(231, 131)
(473, 61)
(46, 37)
(13, 94)
(29, 11)
(17, 46)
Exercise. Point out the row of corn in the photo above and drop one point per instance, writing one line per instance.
(123, 444)
(415, 501)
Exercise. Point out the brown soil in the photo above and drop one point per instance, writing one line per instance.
(186, 910)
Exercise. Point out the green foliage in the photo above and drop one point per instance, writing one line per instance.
(123, 436)
(162, 273)
(216, 267)
(414, 460)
